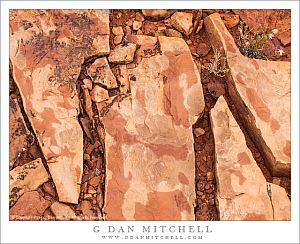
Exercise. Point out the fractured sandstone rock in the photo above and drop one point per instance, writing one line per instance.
(47, 49)
(18, 132)
(27, 177)
(63, 211)
(183, 22)
(122, 54)
(30, 206)
(242, 189)
(149, 143)
(261, 93)
(101, 73)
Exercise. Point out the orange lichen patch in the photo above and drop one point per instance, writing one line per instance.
(240, 79)
(274, 125)
(183, 179)
(179, 153)
(243, 158)
(254, 216)
(261, 109)
(255, 64)
(287, 149)
(238, 173)
(162, 206)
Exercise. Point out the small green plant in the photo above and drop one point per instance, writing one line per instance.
(217, 65)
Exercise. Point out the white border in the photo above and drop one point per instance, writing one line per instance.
(81, 232)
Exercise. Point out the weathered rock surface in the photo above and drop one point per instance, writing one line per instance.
(18, 132)
(47, 49)
(30, 206)
(63, 211)
(261, 93)
(242, 188)
(230, 20)
(156, 14)
(101, 73)
(27, 177)
(99, 94)
(122, 54)
(149, 141)
(183, 22)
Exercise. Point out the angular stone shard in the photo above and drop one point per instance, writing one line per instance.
(30, 206)
(99, 94)
(18, 132)
(156, 14)
(27, 177)
(242, 188)
(122, 54)
(149, 142)
(101, 73)
(261, 93)
(47, 49)
(183, 22)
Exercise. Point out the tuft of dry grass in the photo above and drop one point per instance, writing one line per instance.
(217, 65)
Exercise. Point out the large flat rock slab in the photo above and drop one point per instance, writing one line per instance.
(47, 49)
(261, 93)
(149, 143)
(243, 193)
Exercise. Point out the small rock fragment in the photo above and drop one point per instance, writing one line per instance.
(122, 54)
(189, 42)
(209, 176)
(86, 208)
(88, 83)
(197, 20)
(27, 177)
(63, 211)
(95, 181)
(118, 31)
(101, 73)
(30, 206)
(139, 32)
(231, 20)
(136, 25)
(285, 37)
(139, 17)
(99, 94)
(49, 188)
(199, 27)
(203, 49)
(87, 102)
(199, 132)
(183, 22)
(156, 14)
(127, 30)
(173, 33)
(118, 39)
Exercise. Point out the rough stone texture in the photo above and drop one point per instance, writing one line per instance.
(122, 54)
(118, 31)
(101, 73)
(183, 22)
(268, 19)
(27, 177)
(156, 13)
(47, 49)
(242, 188)
(149, 142)
(261, 93)
(30, 206)
(230, 20)
(18, 132)
(99, 94)
(63, 211)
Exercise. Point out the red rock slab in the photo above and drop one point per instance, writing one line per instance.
(30, 206)
(261, 94)
(27, 177)
(149, 143)
(242, 190)
(47, 49)
(18, 132)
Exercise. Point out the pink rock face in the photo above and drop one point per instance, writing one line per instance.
(47, 49)
(261, 92)
(149, 142)
(18, 132)
(243, 192)
(30, 206)
(183, 22)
